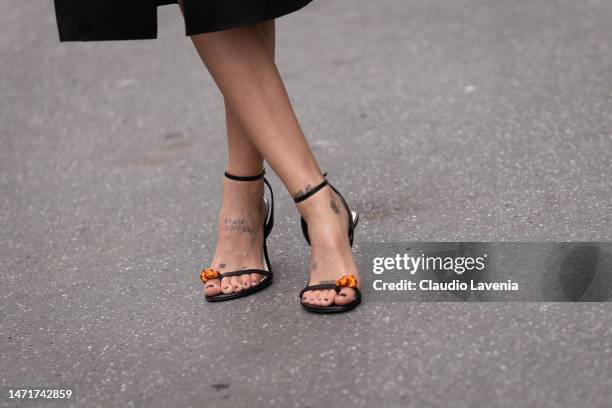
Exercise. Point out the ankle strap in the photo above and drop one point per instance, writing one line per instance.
(312, 191)
(246, 178)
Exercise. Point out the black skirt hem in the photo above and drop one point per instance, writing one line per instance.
(72, 28)
(192, 28)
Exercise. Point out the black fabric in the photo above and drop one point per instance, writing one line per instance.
(245, 178)
(244, 272)
(98, 20)
(270, 218)
(104, 20)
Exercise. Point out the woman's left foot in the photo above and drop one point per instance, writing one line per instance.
(331, 256)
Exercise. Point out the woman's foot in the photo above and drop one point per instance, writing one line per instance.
(240, 236)
(331, 256)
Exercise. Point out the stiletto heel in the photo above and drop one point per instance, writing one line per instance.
(210, 273)
(350, 280)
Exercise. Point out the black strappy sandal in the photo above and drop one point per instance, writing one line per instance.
(349, 281)
(210, 273)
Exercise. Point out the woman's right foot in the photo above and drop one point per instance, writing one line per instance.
(240, 237)
(331, 255)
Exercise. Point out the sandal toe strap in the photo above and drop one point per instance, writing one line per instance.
(210, 273)
(245, 272)
(347, 281)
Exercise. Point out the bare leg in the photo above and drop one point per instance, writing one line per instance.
(240, 233)
(244, 158)
(244, 70)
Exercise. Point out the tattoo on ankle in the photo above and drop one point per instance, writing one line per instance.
(328, 281)
(334, 206)
(221, 265)
(237, 224)
(300, 193)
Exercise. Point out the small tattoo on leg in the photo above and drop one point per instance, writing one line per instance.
(237, 224)
(334, 206)
(221, 265)
(301, 193)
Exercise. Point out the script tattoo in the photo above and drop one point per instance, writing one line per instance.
(237, 224)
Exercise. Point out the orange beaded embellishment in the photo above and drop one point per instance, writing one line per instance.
(349, 281)
(209, 273)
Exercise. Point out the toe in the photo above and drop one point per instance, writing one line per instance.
(212, 287)
(312, 297)
(316, 298)
(236, 284)
(226, 286)
(320, 296)
(306, 296)
(346, 295)
(327, 297)
(245, 281)
(255, 279)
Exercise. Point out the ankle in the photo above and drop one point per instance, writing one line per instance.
(323, 207)
(243, 200)
(249, 190)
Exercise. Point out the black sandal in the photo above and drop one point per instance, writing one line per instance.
(349, 281)
(210, 273)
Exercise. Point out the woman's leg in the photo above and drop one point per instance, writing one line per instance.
(244, 70)
(240, 235)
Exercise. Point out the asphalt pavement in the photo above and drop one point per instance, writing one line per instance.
(468, 120)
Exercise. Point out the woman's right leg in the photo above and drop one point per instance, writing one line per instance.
(239, 248)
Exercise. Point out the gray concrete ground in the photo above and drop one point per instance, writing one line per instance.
(463, 120)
